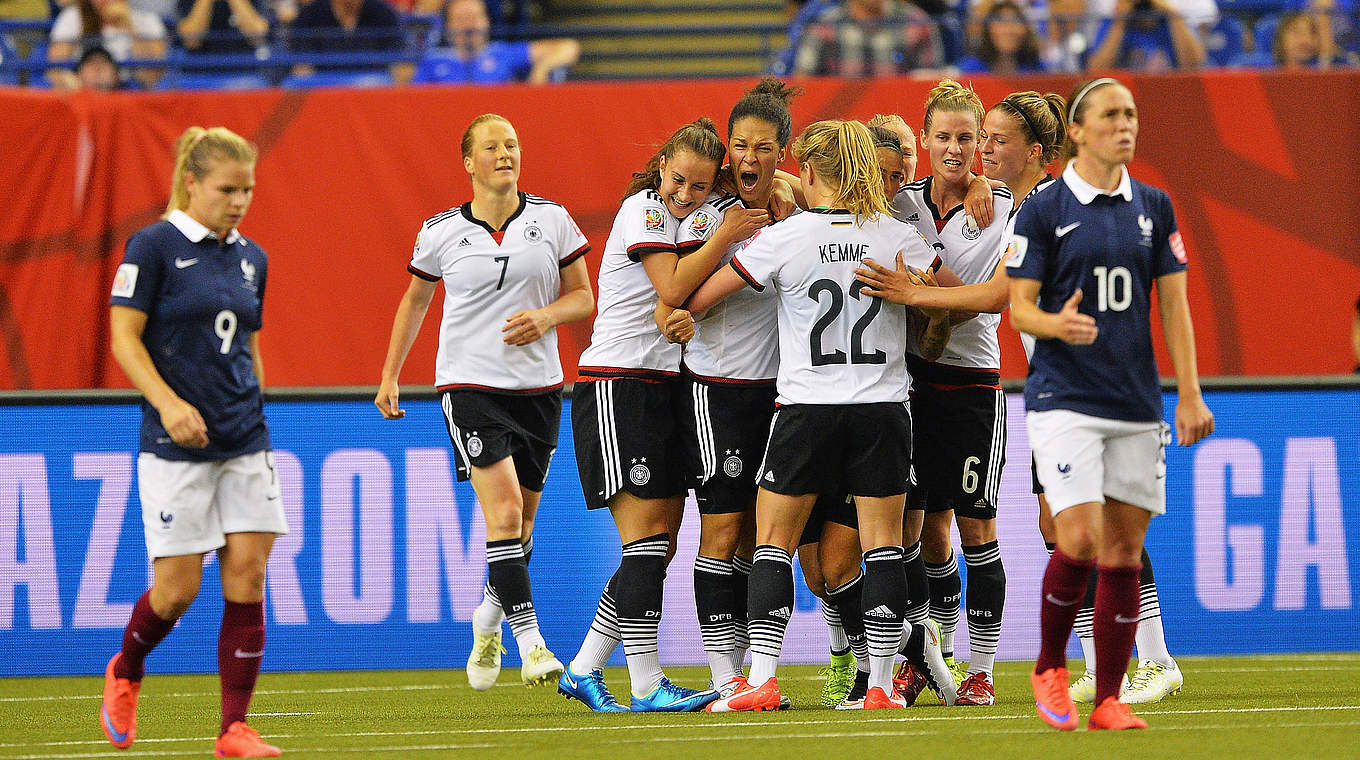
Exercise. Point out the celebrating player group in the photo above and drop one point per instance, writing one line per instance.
(814, 356)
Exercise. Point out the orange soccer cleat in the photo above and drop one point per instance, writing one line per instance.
(1113, 715)
(1051, 699)
(118, 712)
(241, 740)
(877, 699)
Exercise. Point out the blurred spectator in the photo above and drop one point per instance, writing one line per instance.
(348, 26)
(1007, 43)
(861, 38)
(125, 32)
(1299, 43)
(97, 70)
(472, 57)
(220, 26)
(1148, 36)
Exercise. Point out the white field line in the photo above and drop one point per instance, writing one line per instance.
(1338, 664)
(728, 736)
(723, 725)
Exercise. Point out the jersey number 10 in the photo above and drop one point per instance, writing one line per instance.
(1114, 288)
(857, 353)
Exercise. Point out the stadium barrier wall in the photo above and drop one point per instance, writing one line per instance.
(385, 560)
(1261, 167)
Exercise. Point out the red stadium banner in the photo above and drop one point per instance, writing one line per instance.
(1261, 167)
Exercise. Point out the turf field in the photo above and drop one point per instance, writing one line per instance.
(1239, 707)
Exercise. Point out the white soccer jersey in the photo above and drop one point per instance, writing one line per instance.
(1026, 339)
(972, 254)
(737, 339)
(489, 275)
(625, 336)
(836, 346)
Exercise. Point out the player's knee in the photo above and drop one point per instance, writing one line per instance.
(974, 532)
(503, 519)
(170, 601)
(719, 540)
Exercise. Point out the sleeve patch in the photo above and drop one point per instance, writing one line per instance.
(1177, 246)
(1015, 252)
(652, 219)
(125, 281)
(701, 222)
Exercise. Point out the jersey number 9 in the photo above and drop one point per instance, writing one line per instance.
(857, 353)
(224, 324)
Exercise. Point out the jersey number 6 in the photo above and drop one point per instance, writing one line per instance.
(857, 353)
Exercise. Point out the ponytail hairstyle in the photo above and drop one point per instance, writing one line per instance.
(843, 153)
(699, 137)
(484, 118)
(194, 152)
(1043, 120)
(1076, 108)
(949, 95)
(886, 138)
(768, 101)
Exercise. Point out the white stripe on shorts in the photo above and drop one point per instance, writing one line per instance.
(998, 449)
(703, 425)
(461, 457)
(609, 443)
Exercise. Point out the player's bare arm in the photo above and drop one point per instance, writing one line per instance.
(405, 327)
(1194, 421)
(180, 419)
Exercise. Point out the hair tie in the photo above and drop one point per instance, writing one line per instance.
(1015, 106)
(1072, 108)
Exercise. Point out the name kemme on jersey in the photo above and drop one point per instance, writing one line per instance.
(833, 252)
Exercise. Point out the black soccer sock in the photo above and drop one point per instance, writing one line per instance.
(945, 589)
(713, 603)
(918, 585)
(986, 601)
(741, 581)
(638, 595)
(1082, 626)
(769, 607)
(884, 601)
(490, 592)
(509, 578)
(847, 598)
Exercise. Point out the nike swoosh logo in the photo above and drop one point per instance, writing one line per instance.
(1121, 619)
(1059, 718)
(1060, 602)
(114, 734)
(246, 655)
(1060, 231)
(571, 682)
(184, 263)
(138, 637)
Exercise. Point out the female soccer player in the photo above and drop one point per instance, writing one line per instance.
(957, 402)
(727, 382)
(185, 319)
(842, 425)
(628, 451)
(511, 260)
(1094, 405)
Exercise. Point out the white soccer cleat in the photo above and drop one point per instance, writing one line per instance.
(1151, 682)
(484, 662)
(540, 667)
(1083, 689)
(936, 670)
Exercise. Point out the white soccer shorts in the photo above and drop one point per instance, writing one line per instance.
(1083, 459)
(190, 507)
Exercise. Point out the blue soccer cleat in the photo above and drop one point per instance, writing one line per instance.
(589, 689)
(671, 698)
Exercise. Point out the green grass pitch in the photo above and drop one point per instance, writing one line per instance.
(1294, 706)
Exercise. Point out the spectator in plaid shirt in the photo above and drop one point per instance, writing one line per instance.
(862, 38)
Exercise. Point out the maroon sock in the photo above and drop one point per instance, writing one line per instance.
(240, 646)
(144, 631)
(1063, 589)
(1115, 623)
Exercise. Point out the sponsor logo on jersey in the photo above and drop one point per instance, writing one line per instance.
(125, 281)
(784, 613)
(464, 243)
(701, 222)
(732, 466)
(247, 271)
(971, 230)
(1066, 228)
(185, 263)
(639, 474)
(474, 446)
(533, 234)
(1015, 252)
(1177, 246)
(651, 219)
(915, 217)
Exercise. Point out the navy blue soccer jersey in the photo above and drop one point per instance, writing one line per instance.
(202, 303)
(1113, 247)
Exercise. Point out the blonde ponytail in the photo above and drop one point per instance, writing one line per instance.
(843, 153)
(193, 152)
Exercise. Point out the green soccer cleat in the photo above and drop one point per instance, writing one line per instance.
(540, 667)
(484, 662)
(1151, 682)
(957, 668)
(840, 677)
